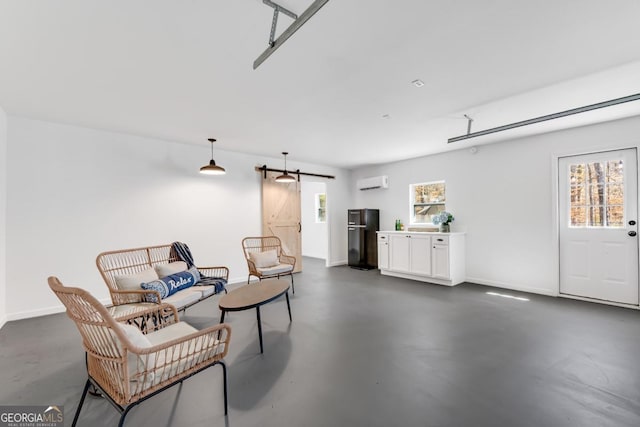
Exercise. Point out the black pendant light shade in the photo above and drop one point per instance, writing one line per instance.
(285, 178)
(212, 168)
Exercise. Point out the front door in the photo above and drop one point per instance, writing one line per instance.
(598, 214)
(281, 215)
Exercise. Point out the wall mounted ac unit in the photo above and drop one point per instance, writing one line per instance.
(373, 182)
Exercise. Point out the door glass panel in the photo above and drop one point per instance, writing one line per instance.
(597, 194)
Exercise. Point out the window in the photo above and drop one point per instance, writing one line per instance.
(321, 207)
(597, 194)
(427, 199)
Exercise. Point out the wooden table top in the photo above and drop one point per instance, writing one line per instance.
(253, 295)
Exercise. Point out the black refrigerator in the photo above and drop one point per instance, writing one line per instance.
(362, 225)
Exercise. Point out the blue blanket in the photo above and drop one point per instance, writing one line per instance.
(181, 250)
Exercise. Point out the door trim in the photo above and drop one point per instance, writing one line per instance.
(555, 223)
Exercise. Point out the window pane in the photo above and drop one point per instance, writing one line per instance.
(595, 194)
(422, 214)
(578, 216)
(596, 216)
(615, 216)
(429, 193)
(615, 194)
(578, 196)
(595, 173)
(615, 171)
(577, 175)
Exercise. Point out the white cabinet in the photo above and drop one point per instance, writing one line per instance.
(440, 258)
(410, 253)
(383, 251)
(429, 257)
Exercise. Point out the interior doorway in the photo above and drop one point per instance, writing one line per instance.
(315, 219)
(598, 214)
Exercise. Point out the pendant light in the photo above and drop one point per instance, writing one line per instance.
(285, 178)
(212, 168)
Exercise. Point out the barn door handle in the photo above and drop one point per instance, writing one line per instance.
(632, 233)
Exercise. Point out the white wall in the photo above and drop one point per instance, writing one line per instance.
(502, 196)
(74, 192)
(314, 234)
(3, 216)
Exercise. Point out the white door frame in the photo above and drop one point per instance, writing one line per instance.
(555, 215)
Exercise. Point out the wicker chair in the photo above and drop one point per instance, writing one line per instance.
(128, 365)
(281, 264)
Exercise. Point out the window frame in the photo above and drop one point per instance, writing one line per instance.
(413, 204)
(317, 209)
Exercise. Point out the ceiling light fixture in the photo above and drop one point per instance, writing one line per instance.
(212, 168)
(285, 178)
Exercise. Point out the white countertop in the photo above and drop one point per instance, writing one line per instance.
(420, 232)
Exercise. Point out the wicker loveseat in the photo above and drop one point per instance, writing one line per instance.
(138, 265)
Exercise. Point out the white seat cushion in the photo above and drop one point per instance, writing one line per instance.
(183, 297)
(278, 269)
(205, 290)
(171, 332)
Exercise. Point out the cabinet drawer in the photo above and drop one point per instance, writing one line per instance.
(440, 240)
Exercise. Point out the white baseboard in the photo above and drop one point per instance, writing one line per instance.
(337, 263)
(45, 311)
(539, 291)
(3, 320)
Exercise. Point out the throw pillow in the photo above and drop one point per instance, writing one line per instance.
(165, 270)
(169, 285)
(264, 259)
(131, 282)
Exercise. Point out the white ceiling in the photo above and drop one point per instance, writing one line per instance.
(181, 70)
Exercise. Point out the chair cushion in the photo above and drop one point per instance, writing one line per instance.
(169, 285)
(277, 269)
(183, 298)
(264, 259)
(132, 282)
(205, 290)
(165, 270)
(138, 364)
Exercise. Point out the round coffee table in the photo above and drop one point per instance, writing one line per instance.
(253, 296)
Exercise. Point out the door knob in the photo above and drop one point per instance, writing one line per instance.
(632, 233)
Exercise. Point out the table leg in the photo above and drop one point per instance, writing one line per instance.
(222, 316)
(259, 328)
(286, 294)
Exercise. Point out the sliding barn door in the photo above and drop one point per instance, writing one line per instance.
(281, 215)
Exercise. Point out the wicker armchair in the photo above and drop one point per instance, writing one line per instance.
(128, 365)
(265, 258)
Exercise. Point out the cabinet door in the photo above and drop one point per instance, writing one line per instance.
(399, 252)
(420, 255)
(383, 255)
(440, 256)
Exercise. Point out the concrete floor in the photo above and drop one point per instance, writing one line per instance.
(367, 350)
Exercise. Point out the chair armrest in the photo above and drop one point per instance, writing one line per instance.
(286, 259)
(219, 271)
(172, 358)
(134, 296)
(252, 268)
